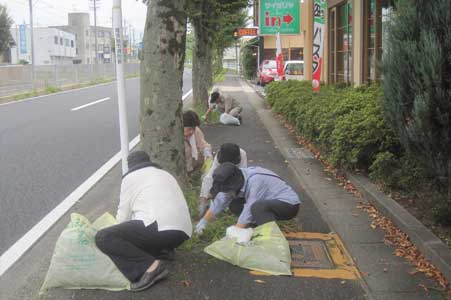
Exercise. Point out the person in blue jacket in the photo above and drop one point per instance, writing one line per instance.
(256, 194)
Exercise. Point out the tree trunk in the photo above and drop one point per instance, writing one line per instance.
(161, 85)
(202, 58)
(218, 61)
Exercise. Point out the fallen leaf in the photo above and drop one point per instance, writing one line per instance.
(424, 287)
(385, 270)
(343, 282)
(186, 283)
(355, 215)
(259, 281)
(373, 226)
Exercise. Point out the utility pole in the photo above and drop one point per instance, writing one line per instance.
(17, 43)
(120, 80)
(95, 28)
(130, 41)
(30, 2)
(124, 35)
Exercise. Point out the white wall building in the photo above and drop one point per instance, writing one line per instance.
(78, 24)
(51, 45)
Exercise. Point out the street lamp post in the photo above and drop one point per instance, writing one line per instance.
(119, 51)
(33, 75)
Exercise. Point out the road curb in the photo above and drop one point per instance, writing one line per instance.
(430, 245)
(249, 82)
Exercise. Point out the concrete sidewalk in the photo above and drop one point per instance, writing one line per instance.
(326, 207)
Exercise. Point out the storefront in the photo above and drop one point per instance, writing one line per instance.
(356, 31)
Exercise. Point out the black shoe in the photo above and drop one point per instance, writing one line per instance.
(240, 119)
(166, 255)
(149, 278)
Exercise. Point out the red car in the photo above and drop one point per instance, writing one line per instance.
(267, 72)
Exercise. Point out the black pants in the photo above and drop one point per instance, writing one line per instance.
(266, 210)
(132, 246)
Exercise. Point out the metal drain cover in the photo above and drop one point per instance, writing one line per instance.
(311, 254)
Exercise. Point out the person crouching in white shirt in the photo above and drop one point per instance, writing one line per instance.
(154, 219)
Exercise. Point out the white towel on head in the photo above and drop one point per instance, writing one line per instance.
(242, 235)
(193, 144)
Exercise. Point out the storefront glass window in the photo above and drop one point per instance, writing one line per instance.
(378, 14)
(340, 33)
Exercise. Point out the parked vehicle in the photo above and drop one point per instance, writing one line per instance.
(267, 72)
(294, 70)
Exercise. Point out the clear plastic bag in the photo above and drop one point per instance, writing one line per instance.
(227, 119)
(268, 251)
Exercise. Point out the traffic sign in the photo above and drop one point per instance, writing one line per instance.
(281, 16)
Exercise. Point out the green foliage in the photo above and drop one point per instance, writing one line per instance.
(214, 231)
(50, 89)
(417, 83)
(442, 213)
(346, 124)
(6, 40)
(189, 48)
(219, 76)
(249, 62)
(31, 94)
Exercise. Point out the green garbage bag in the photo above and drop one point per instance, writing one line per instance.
(268, 251)
(77, 263)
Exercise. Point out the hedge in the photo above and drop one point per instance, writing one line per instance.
(345, 124)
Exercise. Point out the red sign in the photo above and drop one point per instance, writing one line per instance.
(247, 31)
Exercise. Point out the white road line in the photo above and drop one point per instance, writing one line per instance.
(89, 104)
(63, 92)
(21, 246)
(187, 94)
(15, 252)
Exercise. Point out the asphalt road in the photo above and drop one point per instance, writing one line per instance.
(47, 150)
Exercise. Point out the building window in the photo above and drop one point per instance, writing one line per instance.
(101, 34)
(87, 32)
(377, 14)
(72, 43)
(61, 41)
(66, 42)
(340, 49)
(55, 38)
(76, 51)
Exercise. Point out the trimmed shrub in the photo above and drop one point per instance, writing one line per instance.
(346, 124)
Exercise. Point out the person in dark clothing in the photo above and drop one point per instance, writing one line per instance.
(153, 220)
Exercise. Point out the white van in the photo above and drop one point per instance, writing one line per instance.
(294, 70)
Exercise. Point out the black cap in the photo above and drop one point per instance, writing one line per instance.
(190, 119)
(226, 178)
(229, 152)
(214, 97)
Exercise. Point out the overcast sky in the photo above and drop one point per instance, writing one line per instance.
(54, 12)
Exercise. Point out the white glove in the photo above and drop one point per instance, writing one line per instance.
(201, 226)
